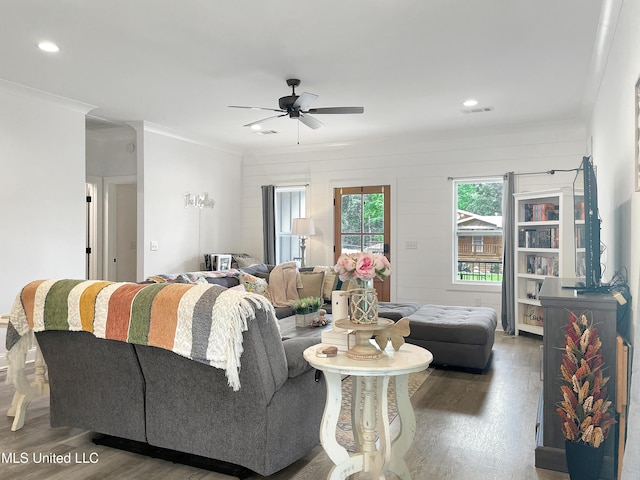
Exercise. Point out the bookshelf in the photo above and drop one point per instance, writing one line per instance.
(544, 238)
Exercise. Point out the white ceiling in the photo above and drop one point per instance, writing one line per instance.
(410, 63)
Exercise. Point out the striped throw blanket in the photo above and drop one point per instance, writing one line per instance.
(200, 322)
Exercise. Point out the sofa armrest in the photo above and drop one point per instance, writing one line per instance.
(293, 349)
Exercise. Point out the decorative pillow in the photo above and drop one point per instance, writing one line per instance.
(255, 285)
(244, 260)
(330, 281)
(311, 284)
(263, 275)
(190, 277)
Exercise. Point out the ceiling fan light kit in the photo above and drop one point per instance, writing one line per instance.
(297, 107)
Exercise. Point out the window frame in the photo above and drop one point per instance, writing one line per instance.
(456, 281)
(283, 231)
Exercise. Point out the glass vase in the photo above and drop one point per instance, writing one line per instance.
(363, 304)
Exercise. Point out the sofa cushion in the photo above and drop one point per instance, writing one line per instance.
(256, 268)
(330, 281)
(312, 283)
(255, 285)
(293, 349)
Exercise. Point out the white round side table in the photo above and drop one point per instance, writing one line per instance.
(370, 382)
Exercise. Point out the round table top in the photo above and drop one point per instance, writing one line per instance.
(409, 359)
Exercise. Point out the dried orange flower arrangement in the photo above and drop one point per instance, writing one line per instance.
(585, 412)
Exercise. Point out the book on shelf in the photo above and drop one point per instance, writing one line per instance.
(538, 238)
(579, 235)
(540, 212)
(541, 265)
(533, 289)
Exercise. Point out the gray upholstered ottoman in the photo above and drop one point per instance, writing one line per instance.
(456, 336)
(395, 310)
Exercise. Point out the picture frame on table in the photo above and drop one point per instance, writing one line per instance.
(221, 262)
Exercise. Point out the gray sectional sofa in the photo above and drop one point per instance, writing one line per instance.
(456, 336)
(152, 395)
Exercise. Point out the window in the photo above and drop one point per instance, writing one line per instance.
(477, 241)
(478, 231)
(290, 203)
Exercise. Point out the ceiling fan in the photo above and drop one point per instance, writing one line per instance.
(297, 106)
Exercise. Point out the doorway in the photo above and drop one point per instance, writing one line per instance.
(120, 260)
(362, 224)
(93, 192)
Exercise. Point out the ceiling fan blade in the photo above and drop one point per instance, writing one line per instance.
(304, 100)
(310, 122)
(337, 110)
(257, 108)
(263, 120)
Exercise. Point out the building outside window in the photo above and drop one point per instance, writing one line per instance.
(478, 231)
(290, 203)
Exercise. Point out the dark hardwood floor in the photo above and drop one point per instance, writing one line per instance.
(469, 426)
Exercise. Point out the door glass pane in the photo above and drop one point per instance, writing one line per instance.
(351, 215)
(373, 243)
(373, 212)
(351, 243)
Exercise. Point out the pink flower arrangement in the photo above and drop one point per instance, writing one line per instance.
(362, 265)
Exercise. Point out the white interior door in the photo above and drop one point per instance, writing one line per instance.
(120, 263)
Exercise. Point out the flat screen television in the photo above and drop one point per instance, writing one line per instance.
(587, 226)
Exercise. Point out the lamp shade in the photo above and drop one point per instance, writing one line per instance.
(303, 227)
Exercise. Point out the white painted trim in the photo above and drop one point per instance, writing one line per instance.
(150, 127)
(18, 89)
(97, 227)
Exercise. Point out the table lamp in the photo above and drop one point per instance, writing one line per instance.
(303, 227)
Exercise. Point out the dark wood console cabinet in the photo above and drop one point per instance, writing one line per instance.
(557, 301)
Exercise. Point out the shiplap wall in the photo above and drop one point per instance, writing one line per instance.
(418, 172)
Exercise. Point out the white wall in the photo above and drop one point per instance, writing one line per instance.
(111, 156)
(171, 167)
(421, 201)
(42, 192)
(613, 133)
(42, 213)
(107, 154)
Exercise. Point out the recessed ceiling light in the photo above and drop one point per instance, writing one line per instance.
(256, 127)
(472, 102)
(48, 47)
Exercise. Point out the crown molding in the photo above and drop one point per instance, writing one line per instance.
(150, 127)
(13, 88)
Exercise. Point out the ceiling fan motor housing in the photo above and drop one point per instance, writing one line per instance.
(286, 103)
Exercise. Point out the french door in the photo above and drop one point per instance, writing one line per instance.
(361, 216)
